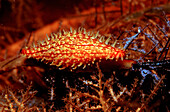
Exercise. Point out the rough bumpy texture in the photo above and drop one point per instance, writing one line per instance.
(74, 49)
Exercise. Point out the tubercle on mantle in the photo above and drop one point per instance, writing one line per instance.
(75, 49)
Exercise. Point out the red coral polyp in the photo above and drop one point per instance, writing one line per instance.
(73, 49)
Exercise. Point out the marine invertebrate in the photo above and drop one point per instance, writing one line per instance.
(74, 49)
(109, 94)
